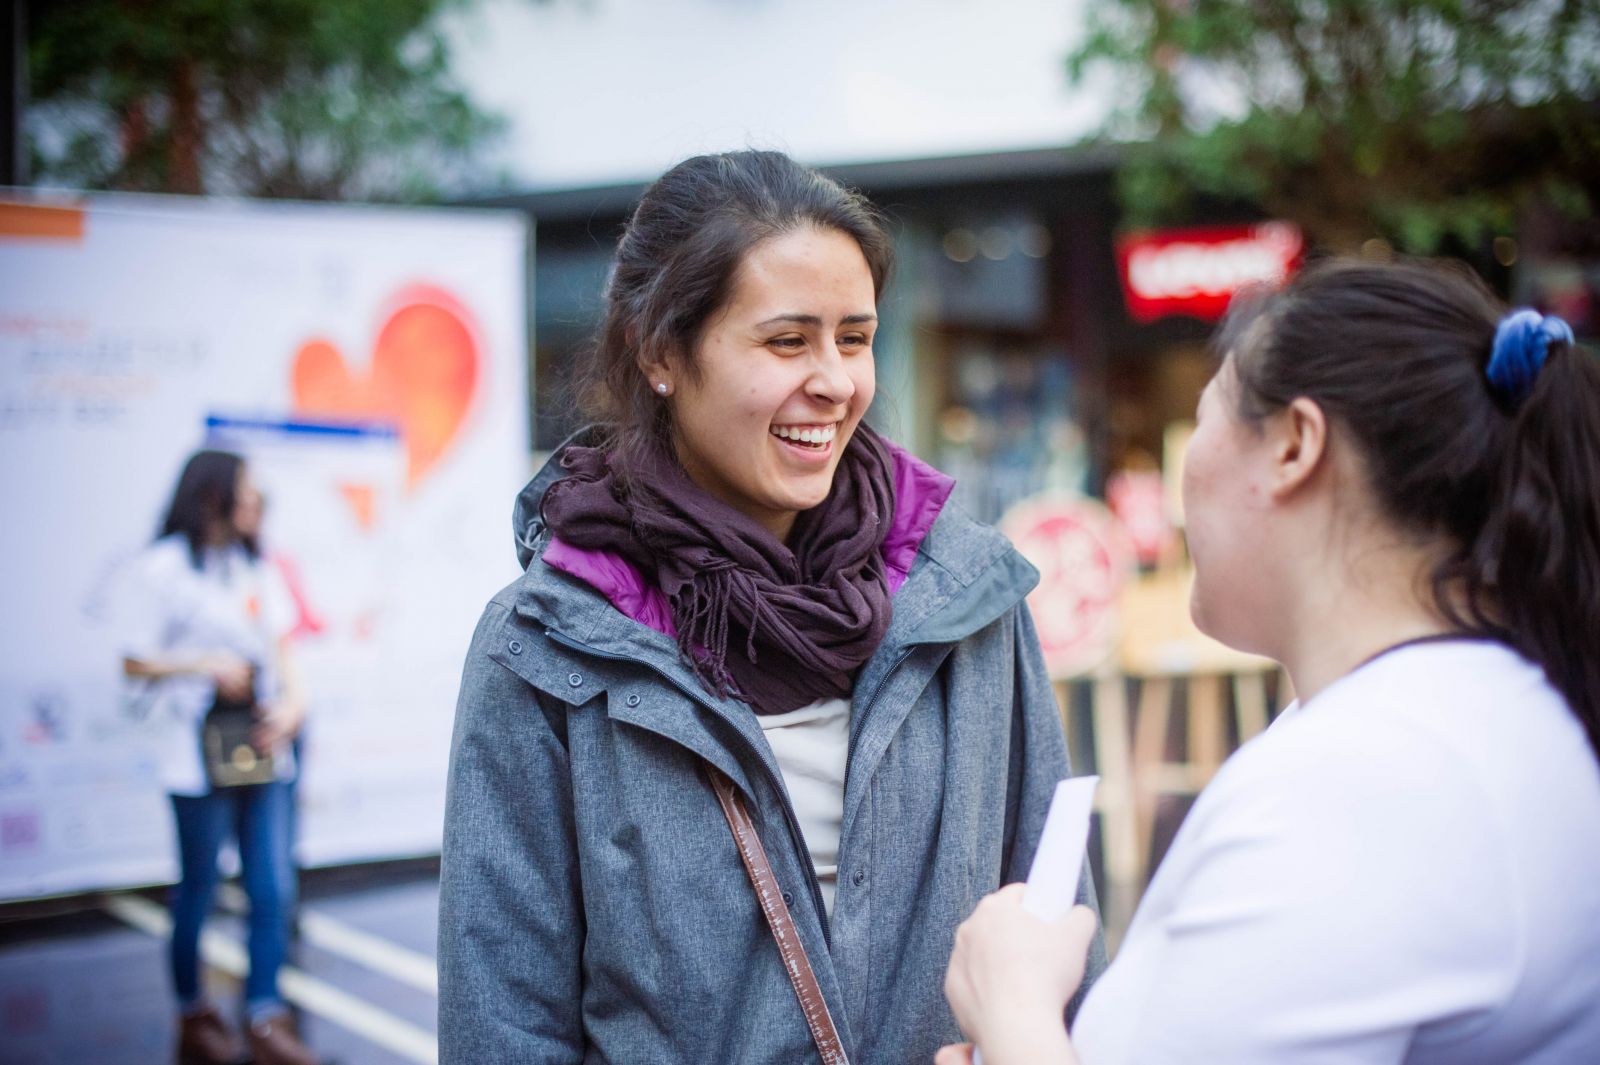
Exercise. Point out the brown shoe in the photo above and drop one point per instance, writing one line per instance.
(273, 1041)
(204, 1038)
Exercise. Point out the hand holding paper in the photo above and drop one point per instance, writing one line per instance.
(1052, 887)
(1053, 878)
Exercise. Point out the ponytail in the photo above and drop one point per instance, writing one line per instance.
(1539, 551)
(1478, 429)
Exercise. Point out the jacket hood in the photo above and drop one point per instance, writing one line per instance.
(526, 523)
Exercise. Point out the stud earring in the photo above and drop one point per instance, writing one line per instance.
(662, 388)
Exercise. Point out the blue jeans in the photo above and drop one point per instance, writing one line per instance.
(258, 816)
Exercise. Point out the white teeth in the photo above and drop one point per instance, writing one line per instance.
(821, 435)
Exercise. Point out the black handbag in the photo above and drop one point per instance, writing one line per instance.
(231, 761)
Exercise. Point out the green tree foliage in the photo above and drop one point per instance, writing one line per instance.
(1413, 120)
(307, 99)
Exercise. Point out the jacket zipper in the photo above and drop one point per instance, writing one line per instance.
(858, 723)
(772, 770)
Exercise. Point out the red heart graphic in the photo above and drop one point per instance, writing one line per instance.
(423, 373)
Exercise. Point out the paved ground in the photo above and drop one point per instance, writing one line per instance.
(91, 987)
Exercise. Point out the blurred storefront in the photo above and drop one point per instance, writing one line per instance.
(1018, 351)
(1554, 264)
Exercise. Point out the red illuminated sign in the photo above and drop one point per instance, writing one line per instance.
(1197, 271)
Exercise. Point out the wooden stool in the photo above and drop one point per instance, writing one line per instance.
(1160, 649)
(1122, 866)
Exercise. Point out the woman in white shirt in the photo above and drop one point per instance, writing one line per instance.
(208, 623)
(1393, 490)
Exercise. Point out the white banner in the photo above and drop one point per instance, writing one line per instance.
(371, 365)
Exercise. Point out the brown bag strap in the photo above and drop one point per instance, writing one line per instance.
(776, 912)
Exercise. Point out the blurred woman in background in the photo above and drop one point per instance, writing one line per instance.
(1394, 490)
(207, 636)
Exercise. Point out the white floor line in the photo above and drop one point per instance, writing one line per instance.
(306, 991)
(376, 953)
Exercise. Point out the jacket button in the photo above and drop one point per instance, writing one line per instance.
(788, 899)
(575, 679)
(633, 700)
(859, 878)
(515, 647)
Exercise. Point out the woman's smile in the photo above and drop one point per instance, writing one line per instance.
(810, 443)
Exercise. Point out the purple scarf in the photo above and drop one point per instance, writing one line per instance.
(778, 625)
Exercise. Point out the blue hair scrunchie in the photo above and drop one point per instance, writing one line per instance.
(1521, 344)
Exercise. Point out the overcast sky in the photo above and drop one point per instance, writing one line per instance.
(602, 91)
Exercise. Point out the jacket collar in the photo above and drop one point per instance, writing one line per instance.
(526, 521)
(966, 577)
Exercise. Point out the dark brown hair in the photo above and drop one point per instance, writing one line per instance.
(676, 264)
(1396, 355)
(206, 494)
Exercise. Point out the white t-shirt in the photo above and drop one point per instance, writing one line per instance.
(812, 745)
(1405, 869)
(171, 610)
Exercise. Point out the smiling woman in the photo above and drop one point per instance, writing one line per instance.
(1391, 491)
(742, 608)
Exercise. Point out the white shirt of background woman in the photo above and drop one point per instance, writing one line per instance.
(171, 610)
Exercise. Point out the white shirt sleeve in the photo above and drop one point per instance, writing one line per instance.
(1307, 919)
(141, 609)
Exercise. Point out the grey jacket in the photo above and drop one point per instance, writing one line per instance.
(593, 907)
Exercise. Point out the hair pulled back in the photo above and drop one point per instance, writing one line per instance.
(676, 266)
(1396, 355)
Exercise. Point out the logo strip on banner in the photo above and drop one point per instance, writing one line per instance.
(218, 425)
(35, 221)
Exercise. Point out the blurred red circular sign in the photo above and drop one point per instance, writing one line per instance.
(1139, 500)
(1083, 558)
